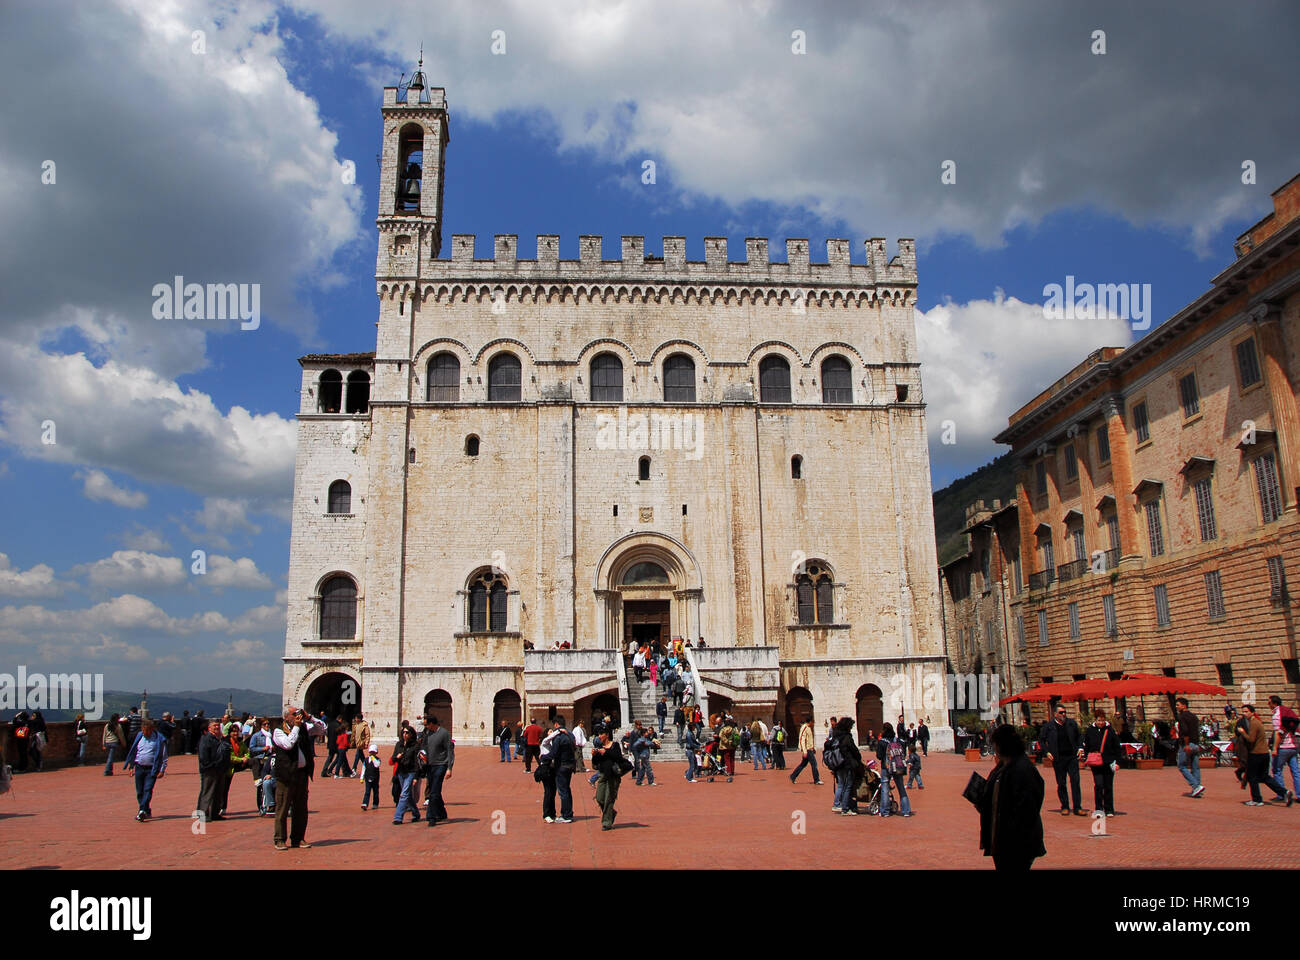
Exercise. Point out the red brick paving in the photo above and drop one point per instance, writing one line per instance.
(79, 818)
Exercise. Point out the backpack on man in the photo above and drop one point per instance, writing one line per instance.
(833, 754)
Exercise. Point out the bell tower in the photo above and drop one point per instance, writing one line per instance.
(415, 138)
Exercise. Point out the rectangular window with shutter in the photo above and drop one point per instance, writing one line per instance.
(1020, 631)
(1276, 580)
(1071, 463)
(1248, 363)
(1108, 612)
(1214, 593)
(1103, 446)
(1205, 510)
(1042, 628)
(1074, 621)
(1270, 497)
(1162, 604)
(1155, 530)
(1188, 396)
(1141, 425)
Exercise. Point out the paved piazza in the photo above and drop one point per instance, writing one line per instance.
(746, 824)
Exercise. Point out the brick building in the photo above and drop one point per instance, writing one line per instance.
(1156, 493)
(586, 452)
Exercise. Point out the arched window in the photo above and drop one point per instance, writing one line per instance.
(442, 377)
(796, 467)
(774, 379)
(679, 379)
(410, 165)
(643, 468)
(815, 594)
(505, 378)
(330, 392)
(340, 498)
(645, 572)
(487, 603)
(837, 381)
(358, 392)
(338, 609)
(471, 446)
(606, 378)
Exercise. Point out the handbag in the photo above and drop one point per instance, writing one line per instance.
(1094, 758)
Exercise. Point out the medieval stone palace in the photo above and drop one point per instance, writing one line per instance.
(545, 459)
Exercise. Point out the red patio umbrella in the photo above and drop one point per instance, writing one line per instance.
(1151, 684)
(1040, 693)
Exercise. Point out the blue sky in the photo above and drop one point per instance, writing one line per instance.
(224, 165)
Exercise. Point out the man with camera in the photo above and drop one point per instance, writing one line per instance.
(295, 763)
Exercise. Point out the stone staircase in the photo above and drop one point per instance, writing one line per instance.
(641, 699)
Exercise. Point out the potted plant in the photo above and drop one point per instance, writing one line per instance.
(970, 721)
(1206, 761)
(1145, 732)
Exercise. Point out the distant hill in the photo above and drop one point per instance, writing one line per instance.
(211, 702)
(993, 481)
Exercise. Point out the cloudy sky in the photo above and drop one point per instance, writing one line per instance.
(144, 140)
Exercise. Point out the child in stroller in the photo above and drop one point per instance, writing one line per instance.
(712, 763)
(871, 791)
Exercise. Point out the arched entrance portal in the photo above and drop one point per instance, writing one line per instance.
(871, 711)
(334, 695)
(605, 704)
(505, 706)
(798, 711)
(437, 703)
(648, 585)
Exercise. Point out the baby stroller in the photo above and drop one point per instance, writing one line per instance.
(872, 791)
(712, 765)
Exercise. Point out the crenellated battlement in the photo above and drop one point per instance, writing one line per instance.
(672, 266)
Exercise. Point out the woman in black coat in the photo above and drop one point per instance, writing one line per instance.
(1100, 737)
(1011, 820)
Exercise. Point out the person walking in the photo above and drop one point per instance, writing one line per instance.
(259, 760)
(111, 740)
(776, 745)
(923, 738)
(754, 743)
(728, 740)
(1189, 751)
(891, 751)
(146, 755)
(661, 713)
(371, 770)
(562, 765)
(1286, 742)
(611, 766)
(331, 748)
(438, 754)
(642, 744)
(638, 665)
(214, 760)
(406, 761)
(37, 738)
(503, 737)
(342, 741)
(809, 750)
(81, 733)
(1010, 806)
(850, 770)
(579, 741)
(1061, 743)
(1101, 751)
(532, 744)
(692, 746)
(914, 768)
(361, 740)
(295, 764)
(1257, 761)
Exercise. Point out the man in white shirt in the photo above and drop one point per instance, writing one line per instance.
(579, 741)
(295, 763)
